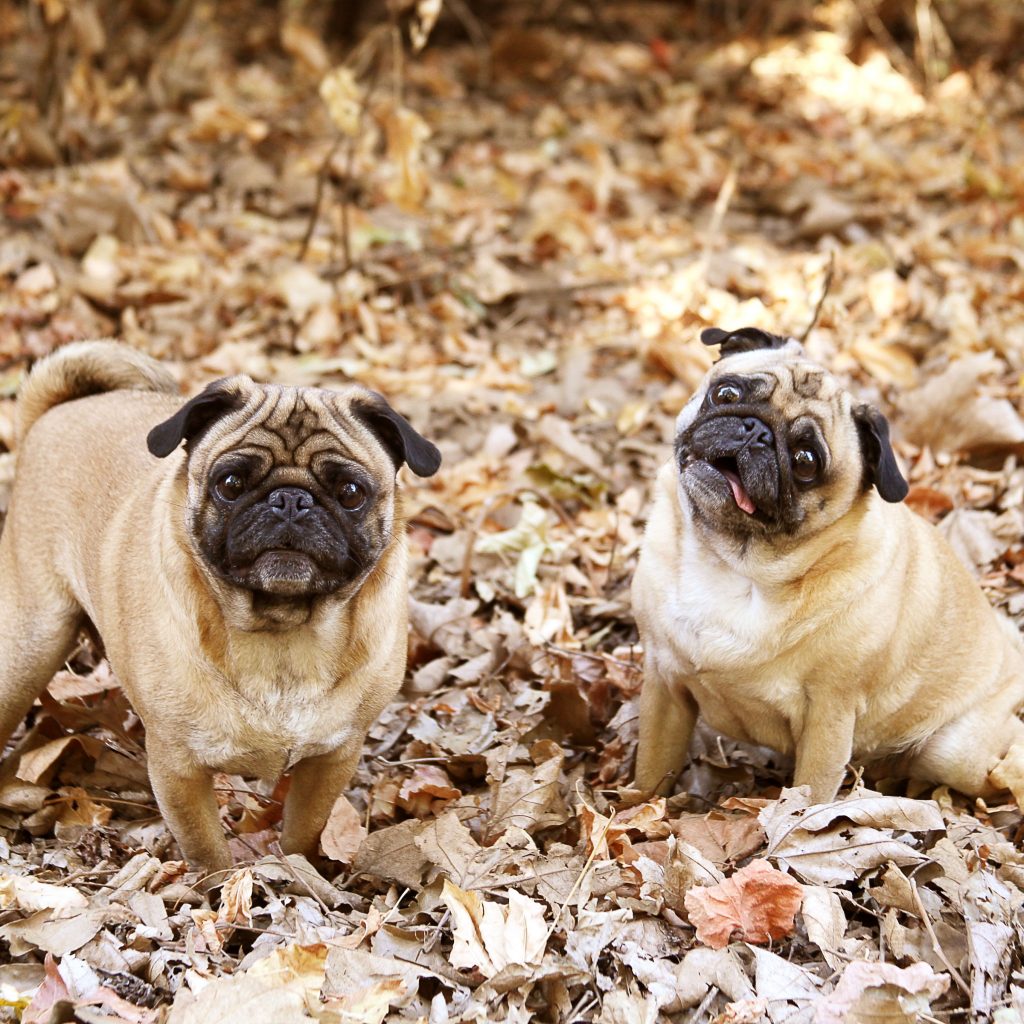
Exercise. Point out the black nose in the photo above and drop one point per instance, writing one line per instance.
(757, 434)
(290, 502)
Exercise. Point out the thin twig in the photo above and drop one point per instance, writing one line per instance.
(826, 285)
(321, 184)
(722, 201)
(579, 878)
(699, 1013)
(926, 921)
(325, 169)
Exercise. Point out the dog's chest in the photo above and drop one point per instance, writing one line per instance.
(717, 623)
(727, 643)
(269, 725)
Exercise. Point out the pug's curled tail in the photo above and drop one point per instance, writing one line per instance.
(87, 368)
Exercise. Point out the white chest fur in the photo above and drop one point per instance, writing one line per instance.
(724, 636)
(268, 726)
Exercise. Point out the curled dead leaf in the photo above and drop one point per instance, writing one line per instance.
(758, 902)
(882, 992)
(427, 791)
(489, 937)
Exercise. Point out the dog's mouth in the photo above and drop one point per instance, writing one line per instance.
(281, 571)
(729, 468)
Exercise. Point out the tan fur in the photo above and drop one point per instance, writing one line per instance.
(87, 368)
(855, 640)
(99, 528)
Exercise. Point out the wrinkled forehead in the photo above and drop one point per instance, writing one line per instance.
(293, 426)
(784, 381)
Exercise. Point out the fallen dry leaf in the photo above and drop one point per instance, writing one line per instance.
(952, 411)
(837, 842)
(343, 833)
(490, 937)
(28, 894)
(758, 902)
(282, 988)
(882, 992)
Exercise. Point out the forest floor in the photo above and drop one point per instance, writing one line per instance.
(518, 239)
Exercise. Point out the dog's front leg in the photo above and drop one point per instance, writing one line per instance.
(184, 793)
(316, 784)
(668, 714)
(823, 749)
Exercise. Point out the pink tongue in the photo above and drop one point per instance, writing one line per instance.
(739, 494)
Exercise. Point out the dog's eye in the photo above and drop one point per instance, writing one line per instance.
(230, 487)
(351, 496)
(805, 465)
(725, 394)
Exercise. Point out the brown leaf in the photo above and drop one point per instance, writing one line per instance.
(529, 799)
(52, 991)
(488, 936)
(427, 791)
(758, 901)
(882, 992)
(59, 937)
(236, 899)
(37, 765)
(78, 808)
(343, 833)
(721, 839)
(955, 412)
(283, 988)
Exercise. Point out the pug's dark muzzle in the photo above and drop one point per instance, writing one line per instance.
(286, 543)
(734, 456)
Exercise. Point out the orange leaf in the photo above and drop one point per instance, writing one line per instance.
(758, 901)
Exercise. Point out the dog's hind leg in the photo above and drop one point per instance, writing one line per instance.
(37, 633)
(980, 754)
(1008, 772)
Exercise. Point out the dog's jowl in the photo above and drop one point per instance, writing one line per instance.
(242, 556)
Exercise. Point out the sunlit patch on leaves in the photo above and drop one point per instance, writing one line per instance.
(406, 133)
(517, 239)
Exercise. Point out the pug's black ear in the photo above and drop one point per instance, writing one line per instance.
(193, 417)
(880, 467)
(397, 434)
(745, 339)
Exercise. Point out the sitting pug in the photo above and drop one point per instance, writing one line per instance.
(784, 593)
(243, 558)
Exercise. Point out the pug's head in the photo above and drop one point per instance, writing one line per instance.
(291, 491)
(772, 445)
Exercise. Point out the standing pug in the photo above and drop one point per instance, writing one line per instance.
(243, 558)
(785, 593)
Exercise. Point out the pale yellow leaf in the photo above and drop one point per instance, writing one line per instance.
(341, 93)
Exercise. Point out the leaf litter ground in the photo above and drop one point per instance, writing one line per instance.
(519, 245)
